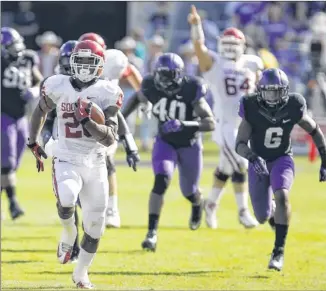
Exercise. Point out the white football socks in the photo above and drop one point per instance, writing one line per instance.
(113, 202)
(242, 200)
(85, 260)
(69, 232)
(215, 195)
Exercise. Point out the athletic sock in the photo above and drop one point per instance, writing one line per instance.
(281, 232)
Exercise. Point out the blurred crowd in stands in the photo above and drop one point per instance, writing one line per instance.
(289, 35)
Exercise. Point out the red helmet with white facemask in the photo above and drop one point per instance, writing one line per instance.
(232, 43)
(94, 37)
(87, 61)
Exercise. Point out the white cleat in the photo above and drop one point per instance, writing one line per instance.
(112, 218)
(64, 253)
(210, 211)
(82, 282)
(246, 219)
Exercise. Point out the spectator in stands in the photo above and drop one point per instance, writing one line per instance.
(211, 30)
(49, 43)
(26, 24)
(276, 26)
(138, 35)
(187, 53)
(247, 14)
(159, 20)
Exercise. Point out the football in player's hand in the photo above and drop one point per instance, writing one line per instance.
(97, 114)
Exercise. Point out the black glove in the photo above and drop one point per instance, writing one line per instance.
(132, 159)
(259, 166)
(38, 153)
(131, 149)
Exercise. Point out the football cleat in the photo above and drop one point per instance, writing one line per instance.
(196, 215)
(246, 219)
(83, 283)
(149, 244)
(64, 253)
(277, 260)
(112, 218)
(15, 211)
(210, 211)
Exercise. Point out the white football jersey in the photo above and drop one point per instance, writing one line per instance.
(229, 81)
(116, 63)
(74, 142)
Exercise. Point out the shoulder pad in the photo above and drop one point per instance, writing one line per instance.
(298, 98)
(52, 82)
(197, 86)
(255, 60)
(115, 64)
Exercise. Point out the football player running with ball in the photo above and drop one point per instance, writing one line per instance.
(116, 67)
(179, 105)
(230, 74)
(268, 118)
(79, 165)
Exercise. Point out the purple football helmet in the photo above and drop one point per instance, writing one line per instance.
(12, 43)
(273, 87)
(168, 73)
(65, 52)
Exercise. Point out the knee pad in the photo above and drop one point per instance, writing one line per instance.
(94, 222)
(7, 170)
(238, 177)
(65, 212)
(110, 165)
(161, 184)
(221, 176)
(8, 180)
(66, 193)
(89, 244)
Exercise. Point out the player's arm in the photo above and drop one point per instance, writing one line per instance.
(198, 39)
(244, 133)
(204, 112)
(311, 127)
(133, 76)
(38, 118)
(128, 142)
(105, 134)
(138, 97)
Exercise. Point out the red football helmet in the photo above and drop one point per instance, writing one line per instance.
(94, 37)
(87, 60)
(232, 43)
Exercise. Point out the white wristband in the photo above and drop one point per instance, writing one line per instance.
(197, 32)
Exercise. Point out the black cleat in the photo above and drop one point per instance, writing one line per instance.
(74, 254)
(277, 260)
(149, 244)
(15, 211)
(196, 215)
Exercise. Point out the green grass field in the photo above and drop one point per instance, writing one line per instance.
(230, 258)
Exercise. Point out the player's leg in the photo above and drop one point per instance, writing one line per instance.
(221, 176)
(76, 249)
(261, 194)
(112, 214)
(67, 183)
(93, 200)
(281, 176)
(190, 164)
(9, 163)
(164, 159)
(239, 165)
